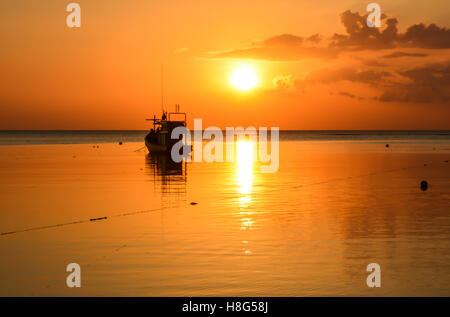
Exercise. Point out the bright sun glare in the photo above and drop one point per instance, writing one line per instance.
(245, 165)
(244, 78)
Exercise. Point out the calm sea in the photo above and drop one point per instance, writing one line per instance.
(339, 201)
(18, 137)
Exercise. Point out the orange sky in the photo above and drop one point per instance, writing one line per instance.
(106, 74)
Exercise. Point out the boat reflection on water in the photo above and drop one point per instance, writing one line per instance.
(168, 176)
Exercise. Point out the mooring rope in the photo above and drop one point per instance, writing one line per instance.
(139, 149)
(225, 198)
(81, 221)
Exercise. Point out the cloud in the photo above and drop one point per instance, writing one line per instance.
(277, 53)
(358, 36)
(347, 94)
(425, 84)
(283, 82)
(361, 37)
(327, 76)
(316, 38)
(284, 47)
(431, 36)
(377, 52)
(283, 40)
(369, 62)
(403, 54)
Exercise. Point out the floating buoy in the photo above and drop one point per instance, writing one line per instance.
(96, 219)
(423, 185)
(387, 145)
(120, 143)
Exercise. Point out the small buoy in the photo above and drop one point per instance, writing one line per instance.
(194, 203)
(424, 164)
(423, 185)
(96, 219)
(387, 145)
(120, 143)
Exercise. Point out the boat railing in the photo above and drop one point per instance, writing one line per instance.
(177, 113)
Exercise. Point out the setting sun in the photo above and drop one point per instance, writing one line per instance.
(244, 78)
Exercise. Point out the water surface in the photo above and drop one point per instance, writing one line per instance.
(335, 205)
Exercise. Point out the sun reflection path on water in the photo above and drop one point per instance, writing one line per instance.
(245, 166)
(245, 153)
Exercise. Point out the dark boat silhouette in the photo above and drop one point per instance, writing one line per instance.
(159, 140)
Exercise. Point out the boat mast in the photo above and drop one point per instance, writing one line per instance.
(162, 88)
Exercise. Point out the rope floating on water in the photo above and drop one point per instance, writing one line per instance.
(43, 227)
(159, 209)
(80, 221)
(139, 149)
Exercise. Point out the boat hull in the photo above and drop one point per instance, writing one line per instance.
(156, 148)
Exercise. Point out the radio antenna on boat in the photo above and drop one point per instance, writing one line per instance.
(162, 88)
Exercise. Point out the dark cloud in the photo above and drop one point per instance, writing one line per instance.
(369, 62)
(358, 36)
(326, 76)
(277, 48)
(347, 94)
(283, 40)
(431, 36)
(425, 84)
(403, 54)
(278, 53)
(316, 38)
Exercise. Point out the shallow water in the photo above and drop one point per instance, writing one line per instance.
(309, 229)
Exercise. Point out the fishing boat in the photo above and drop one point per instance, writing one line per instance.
(159, 140)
